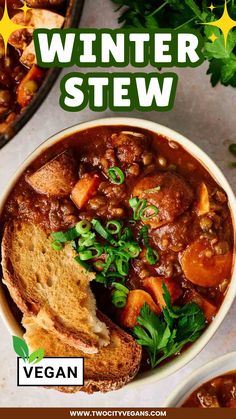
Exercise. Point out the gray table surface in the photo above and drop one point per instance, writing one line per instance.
(207, 117)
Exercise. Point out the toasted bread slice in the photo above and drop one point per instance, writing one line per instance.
(110, 369)
(57, 177)
(51, 286)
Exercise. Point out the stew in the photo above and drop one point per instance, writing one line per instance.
(146, 217)
(20, 77)
(218, 392)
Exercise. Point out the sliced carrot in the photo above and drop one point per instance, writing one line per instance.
(24, 95)
(203, 270)
(84, 189)
(154, 285)
(203, 203)
(135, 301)
(207, 307)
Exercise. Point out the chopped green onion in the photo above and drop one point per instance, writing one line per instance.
(133, 250)
(83, 227)
(91, 253)
(153, 190)
(122, 266)
(97, 250)
(119, 296)
(152, 256)
(65, 236)
(146, 210)
(84, 265)
(140, 209)
(121, 253)
(133, 202)
(116, 175)
(108, 262)
(100, 229)
(127, 234)
(114, 227)
(143, 234)
(120, 287)
(56, 245)
(115, 275)
(59, 236)
(101, 279)
(98, 264)
(87, 240)
(118, 300)
(86, 255)
(138, 205)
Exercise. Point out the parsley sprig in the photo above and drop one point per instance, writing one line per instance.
(188, 14)
(165, 335)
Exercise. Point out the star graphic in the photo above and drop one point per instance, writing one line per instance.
(7, 26)
(25, 8)
(225, 23)
(213, 38)
(211, 7)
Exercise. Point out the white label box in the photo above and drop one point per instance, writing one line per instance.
(50, 371)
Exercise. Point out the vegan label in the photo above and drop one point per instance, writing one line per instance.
(51, 372)
(33, 369)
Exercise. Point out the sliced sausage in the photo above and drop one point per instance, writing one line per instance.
(169, 192)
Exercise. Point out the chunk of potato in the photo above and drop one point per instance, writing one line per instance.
(207, 307)
(203, 203)
(33, 19)
(57, 177)
(84, 189)
(202, 269)
(135, 301)
(154, 285)
(169, 192)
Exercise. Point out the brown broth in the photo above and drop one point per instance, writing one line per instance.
(89, 147)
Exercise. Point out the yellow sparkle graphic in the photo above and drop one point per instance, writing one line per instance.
(211, 7)
(213, 38)
(225, 23)
(25, 8)
(7, 26)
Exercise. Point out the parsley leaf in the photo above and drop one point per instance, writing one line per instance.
(188, 14)
(165, 335)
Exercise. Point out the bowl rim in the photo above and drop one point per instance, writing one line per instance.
(212, 369)
(190, 353)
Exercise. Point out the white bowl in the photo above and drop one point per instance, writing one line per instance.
(191, 352)
(220, 366)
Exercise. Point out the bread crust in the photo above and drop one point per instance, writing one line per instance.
(108, 367)
(31, 305)
(95, 379)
